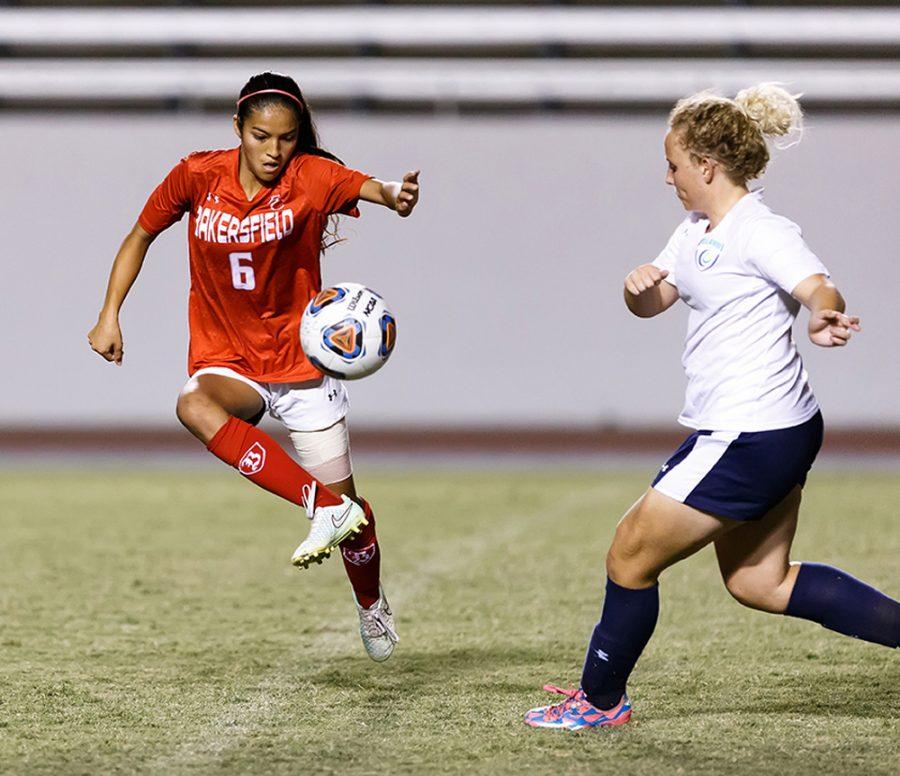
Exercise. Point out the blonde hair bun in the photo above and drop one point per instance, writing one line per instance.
(775, 110)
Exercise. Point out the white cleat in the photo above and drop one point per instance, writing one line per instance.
(330, 526)
(376, 626)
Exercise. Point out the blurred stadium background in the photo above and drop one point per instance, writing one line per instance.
(538, 128)
(148, 620)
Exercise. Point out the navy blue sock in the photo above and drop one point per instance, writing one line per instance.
(842, 603)
(628, 619)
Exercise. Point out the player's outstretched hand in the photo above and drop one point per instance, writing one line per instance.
(644, 277)
(831, 329)
(106, 339)
(408, 195)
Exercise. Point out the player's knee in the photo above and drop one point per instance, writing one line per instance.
(755, 592)
(193, 409)
(325, 454)
(626, 560)
(628, 543)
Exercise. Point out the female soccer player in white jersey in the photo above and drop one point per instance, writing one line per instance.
(736, 481)
(258, 216)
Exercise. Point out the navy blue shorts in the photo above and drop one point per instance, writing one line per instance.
(740, 475)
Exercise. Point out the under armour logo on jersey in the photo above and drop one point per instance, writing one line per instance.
(359, 557)
(275, 202)
(601, 654)
(211, 196)
(332, 395)
(665, 467)
(253, 460)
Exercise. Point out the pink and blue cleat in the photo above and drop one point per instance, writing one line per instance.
(576, 712)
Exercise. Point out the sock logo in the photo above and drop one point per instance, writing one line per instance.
(253, 460)
(359, 557)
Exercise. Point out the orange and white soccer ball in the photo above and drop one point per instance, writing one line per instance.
(347, 331)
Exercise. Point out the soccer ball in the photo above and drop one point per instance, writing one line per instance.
(347, 331)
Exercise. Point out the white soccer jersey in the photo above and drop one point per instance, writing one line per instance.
(744, 372)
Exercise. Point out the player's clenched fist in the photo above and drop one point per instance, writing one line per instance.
(831, 329)
(646, 276)
(106, 339)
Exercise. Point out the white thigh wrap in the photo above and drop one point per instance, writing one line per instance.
(325, 454)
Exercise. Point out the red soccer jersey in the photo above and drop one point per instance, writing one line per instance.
(254, 264)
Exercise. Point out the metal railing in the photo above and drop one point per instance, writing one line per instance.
(449, 28)
(434, 57)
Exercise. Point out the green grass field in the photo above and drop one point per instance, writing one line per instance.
(151, 623)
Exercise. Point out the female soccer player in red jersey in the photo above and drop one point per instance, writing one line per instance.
(737, 481)
(258, 218)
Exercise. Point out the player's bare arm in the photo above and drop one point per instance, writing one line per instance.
(829, 326)
(106, 336)
(400, 196)
(645, 293)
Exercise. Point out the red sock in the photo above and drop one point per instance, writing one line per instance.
(362, 560)
(263, 461)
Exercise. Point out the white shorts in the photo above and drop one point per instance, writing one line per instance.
(306, 406)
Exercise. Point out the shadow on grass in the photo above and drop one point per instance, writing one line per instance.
(854, 696)
(492, 669)
(520, 671)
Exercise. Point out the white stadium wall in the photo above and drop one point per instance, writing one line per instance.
(506, 282)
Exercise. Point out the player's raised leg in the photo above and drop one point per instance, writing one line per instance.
(326, 454)
(216, 408)
(655, 533)
(755, 563)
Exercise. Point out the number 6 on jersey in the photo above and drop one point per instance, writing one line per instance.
(242, 277)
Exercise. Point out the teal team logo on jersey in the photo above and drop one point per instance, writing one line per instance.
(707, 253)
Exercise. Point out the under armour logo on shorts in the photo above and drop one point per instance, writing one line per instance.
(359, 557)
(253, 460)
